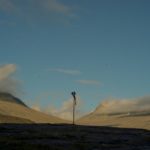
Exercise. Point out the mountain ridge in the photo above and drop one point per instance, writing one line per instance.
(126, 119)
(14, 107)
(4, 96)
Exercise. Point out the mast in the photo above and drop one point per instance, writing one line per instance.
(74, 104)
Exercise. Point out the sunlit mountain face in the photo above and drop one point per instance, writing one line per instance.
(13, 110)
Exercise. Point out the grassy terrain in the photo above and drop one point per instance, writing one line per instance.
(62, 137)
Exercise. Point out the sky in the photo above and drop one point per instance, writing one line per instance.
(98, 48)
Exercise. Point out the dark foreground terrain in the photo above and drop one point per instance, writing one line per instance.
(68, 137)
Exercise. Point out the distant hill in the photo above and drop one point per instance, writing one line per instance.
(132, 119)
(11, 106)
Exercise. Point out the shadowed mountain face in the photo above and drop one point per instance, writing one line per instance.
(7, 97)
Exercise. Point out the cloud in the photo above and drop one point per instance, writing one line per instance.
(7, 82)
(6, 71)
(89, 82)
(65, 71)
(34, 6)
(56, 6)
(111, 105)
(65, 111)
(31, 12)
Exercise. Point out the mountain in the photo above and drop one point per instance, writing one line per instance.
(7, 97)
(127, 119)
(13, 109)
(11, 119)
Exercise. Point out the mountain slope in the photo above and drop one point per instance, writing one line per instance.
(132, 119)
(11, 119)
(16, 110)
(13, 107)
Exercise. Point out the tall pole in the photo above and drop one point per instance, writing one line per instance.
(74, 104)
(73, 113)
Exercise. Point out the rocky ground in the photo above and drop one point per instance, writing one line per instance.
(68, 137)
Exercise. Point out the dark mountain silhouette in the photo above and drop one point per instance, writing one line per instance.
(10, 98)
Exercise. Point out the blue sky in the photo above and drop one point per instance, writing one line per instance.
(99, 48)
